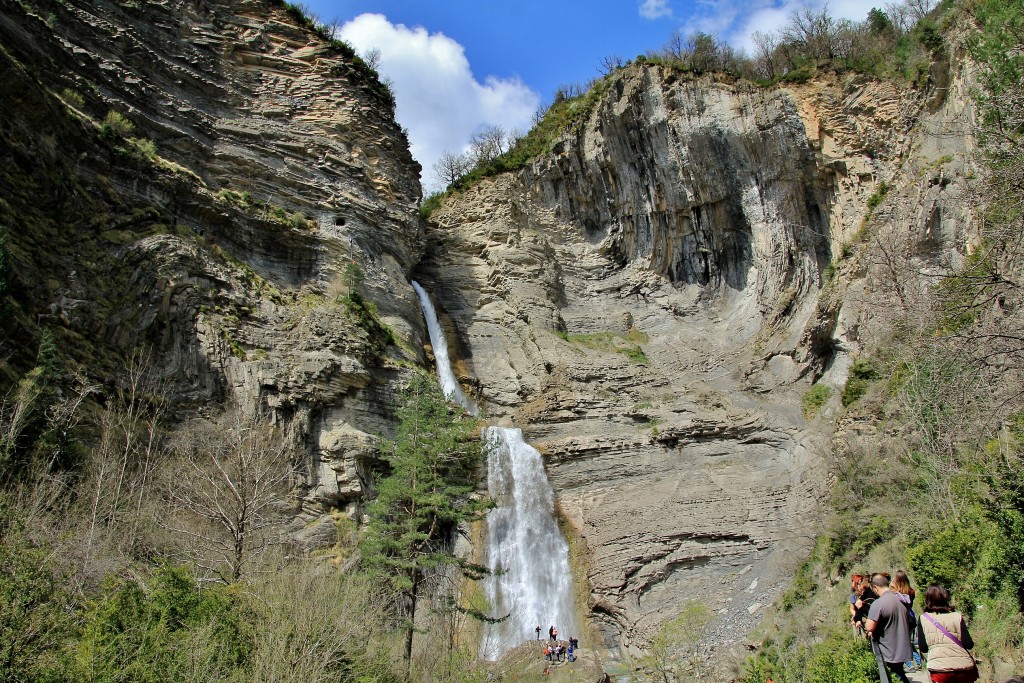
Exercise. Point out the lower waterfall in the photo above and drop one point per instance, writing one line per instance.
(526, 552)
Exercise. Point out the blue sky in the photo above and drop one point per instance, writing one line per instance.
(457, 66)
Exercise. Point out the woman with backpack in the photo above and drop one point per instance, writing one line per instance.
(942, 635)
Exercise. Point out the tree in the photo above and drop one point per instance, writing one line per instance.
(702, 53)
(424, 499)
(678, 645)
(488, 144)
(449, 167)
(227, 490)
(611, 64)
(815, 33)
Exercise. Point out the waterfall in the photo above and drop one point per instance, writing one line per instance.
(531, 581)
(525, 548)
(449, 385)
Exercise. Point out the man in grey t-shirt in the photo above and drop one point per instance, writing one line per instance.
(889, 628)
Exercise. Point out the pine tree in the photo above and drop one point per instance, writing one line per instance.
(423, 501)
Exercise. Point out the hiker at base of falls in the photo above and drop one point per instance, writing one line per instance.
(553, 633)
(571, 653)
(574, 642)
(538, 632)
(888, 626)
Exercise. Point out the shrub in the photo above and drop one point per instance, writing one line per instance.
(73, 98)
(801, 589)
(34, 614)
(875, 532)
(841, 659)
(115, 125)
(815, 399)
(862, 374)
(144, 146)
(145, 631)
(635, 354)
(945, 556)
(430, 203)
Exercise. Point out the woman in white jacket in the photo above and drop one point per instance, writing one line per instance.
(942, 635)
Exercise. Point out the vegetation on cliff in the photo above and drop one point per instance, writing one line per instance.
(938, 492)
(901, 43)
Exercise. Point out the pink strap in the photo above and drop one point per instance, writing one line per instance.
(946, 633)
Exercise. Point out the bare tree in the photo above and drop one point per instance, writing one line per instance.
(372, 58)
(332, 28)
(449, 167)
(121, 468)
(489, 143)
(675, 47)
(227, 490)
(610, 64)
(815, 33)
(765, 54)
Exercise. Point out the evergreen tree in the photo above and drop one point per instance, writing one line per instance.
(423, 501)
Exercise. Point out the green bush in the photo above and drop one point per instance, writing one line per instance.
(146, 631)
(841, 658)
(430, 204)
(36, 614)
(875, 532)
(815, 399)
(945, 556)
(115, 125)
(862, 373)
(801, 589)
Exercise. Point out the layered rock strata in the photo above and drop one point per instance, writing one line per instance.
(195, 178)
(650, 302)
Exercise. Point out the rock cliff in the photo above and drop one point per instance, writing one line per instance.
(193, 178)
(651, 300)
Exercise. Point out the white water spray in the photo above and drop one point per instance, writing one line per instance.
(529, 557)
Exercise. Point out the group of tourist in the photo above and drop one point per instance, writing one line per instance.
(882, 610)
(556, 650)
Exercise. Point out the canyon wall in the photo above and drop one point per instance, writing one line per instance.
(650, 302)
(211, 225)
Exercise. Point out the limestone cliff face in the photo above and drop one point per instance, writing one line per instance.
(650, 301)
(213, 228)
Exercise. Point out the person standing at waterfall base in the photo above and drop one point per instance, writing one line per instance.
(888, 626)
(538, 632)
(553, 634)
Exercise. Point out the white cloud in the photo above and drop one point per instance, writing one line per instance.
(438, 99)
(655, 9)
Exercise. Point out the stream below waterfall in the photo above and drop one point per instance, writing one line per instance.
(525, 550)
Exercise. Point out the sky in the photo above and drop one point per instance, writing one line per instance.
(459, 66)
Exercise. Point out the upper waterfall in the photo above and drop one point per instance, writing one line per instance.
(449, 385)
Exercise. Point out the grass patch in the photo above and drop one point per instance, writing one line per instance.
(815, 399)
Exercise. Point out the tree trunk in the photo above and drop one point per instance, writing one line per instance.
(412, 622)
